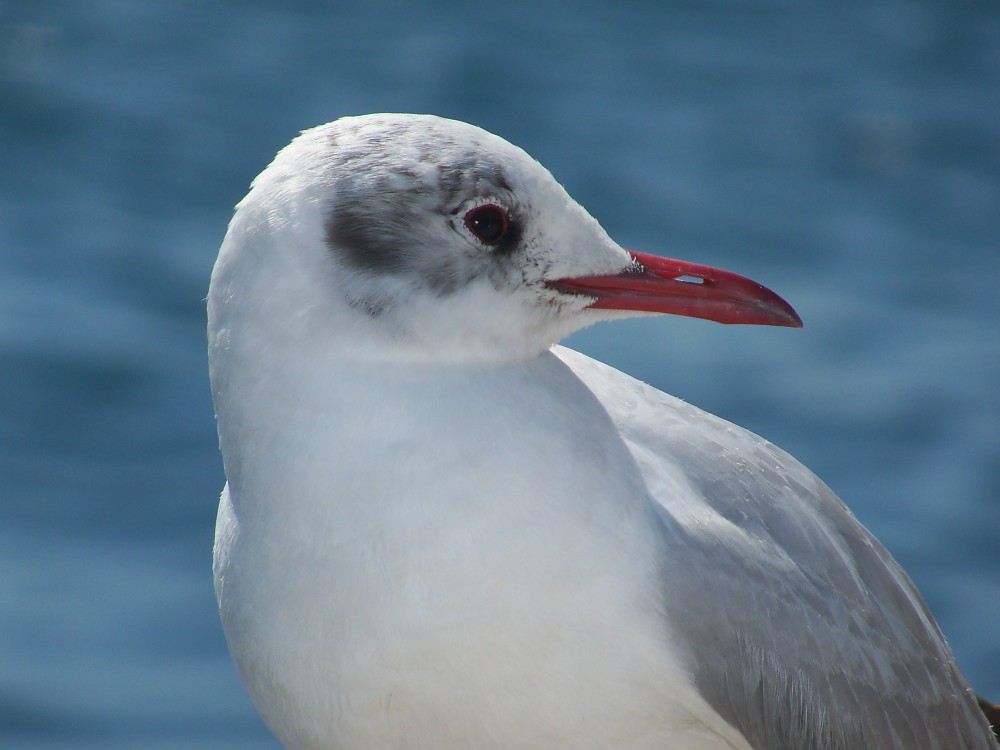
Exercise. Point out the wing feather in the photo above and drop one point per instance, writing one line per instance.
(802, 630)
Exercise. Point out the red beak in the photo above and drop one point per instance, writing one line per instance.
(664, 285)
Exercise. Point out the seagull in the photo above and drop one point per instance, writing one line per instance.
(442, 530)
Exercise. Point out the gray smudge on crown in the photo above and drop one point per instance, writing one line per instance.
(389, 186)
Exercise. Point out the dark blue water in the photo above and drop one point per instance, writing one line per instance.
(847, 155)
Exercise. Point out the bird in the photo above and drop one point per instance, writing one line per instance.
(442, 529)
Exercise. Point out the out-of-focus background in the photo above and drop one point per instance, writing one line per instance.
(847, 155)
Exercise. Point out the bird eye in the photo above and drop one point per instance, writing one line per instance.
(488, 223)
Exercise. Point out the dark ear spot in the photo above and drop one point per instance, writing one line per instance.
(384, 249)
(364, 244)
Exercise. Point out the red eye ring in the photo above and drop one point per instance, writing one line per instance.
(488, 223)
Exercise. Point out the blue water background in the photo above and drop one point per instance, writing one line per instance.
(845, 154)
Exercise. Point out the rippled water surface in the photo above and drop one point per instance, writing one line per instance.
(847, 155)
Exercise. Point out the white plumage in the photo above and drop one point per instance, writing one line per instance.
(441, 532)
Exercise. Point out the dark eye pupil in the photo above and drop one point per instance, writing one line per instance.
(488, 223)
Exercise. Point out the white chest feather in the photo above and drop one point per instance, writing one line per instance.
(384, 584)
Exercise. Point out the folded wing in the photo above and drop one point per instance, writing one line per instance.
(802, 630)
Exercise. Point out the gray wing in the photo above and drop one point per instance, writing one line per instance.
(803, 631)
